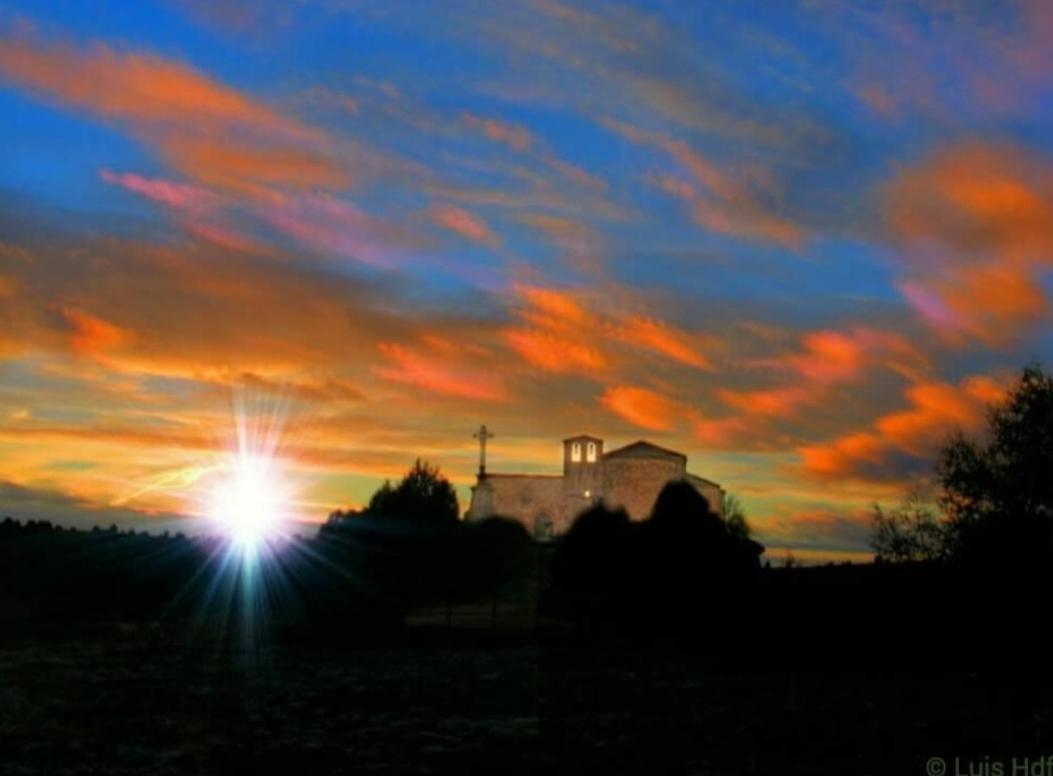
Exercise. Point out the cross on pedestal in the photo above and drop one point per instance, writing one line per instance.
(482, 435)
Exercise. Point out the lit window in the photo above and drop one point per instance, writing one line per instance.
(592, 452)
(575, 451)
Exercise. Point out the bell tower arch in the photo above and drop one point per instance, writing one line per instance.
(582, 470)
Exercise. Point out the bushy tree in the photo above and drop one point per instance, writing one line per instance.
(911, 532)
(689, 543)
(592, 554)
(735, 517)
(998, 490)
(424, 494)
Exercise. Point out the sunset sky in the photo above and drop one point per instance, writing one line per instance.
(798, 241)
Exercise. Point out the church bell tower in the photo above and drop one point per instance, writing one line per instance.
(583, 468)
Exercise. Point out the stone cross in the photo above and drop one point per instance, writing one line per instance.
(482, 435)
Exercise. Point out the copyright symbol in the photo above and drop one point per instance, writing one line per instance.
(936, 766)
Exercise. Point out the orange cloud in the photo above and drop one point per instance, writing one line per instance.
(437, 372)
(834, 356)
(561, 333)
(936, 410)
(829, 355)
(462, 222)
(828, 358)
(665, 339)
(775, 402)
(201, 313)
(987, 301)
(204, 129)
(642, 407)
(843, 456)
(235, 164)
(92, 336)
(514, 136)
(726, 433)
(554, 308)
(554, 353)
(975, 223)
(564, 334)
(136, 87)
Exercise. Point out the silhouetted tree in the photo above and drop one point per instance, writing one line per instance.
(998, 490)
(424, 494)
(589, 557)
(911, 532)
(382, 500)
(680, 507)
(735, 517)
(690, 544)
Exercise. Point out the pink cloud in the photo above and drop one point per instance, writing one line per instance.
(333, 226)
(179, 196)
(515, 136)
(462, 222)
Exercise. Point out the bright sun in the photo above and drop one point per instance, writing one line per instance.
(249, 503)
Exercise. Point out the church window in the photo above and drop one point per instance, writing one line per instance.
(591, 452)
(575, 451)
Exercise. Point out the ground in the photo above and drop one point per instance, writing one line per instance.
(128, 702)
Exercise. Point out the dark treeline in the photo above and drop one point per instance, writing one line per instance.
(965, 586)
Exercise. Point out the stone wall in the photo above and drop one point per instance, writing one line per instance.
(536, 501)
(634, 483)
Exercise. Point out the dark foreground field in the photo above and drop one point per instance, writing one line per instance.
(135, 701)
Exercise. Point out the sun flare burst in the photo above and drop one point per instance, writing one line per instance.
(249, 494)
(250, 502)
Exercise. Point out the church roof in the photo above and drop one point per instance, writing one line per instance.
(643, 449)
(583, 436)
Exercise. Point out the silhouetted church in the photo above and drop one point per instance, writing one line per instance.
(630, 477)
